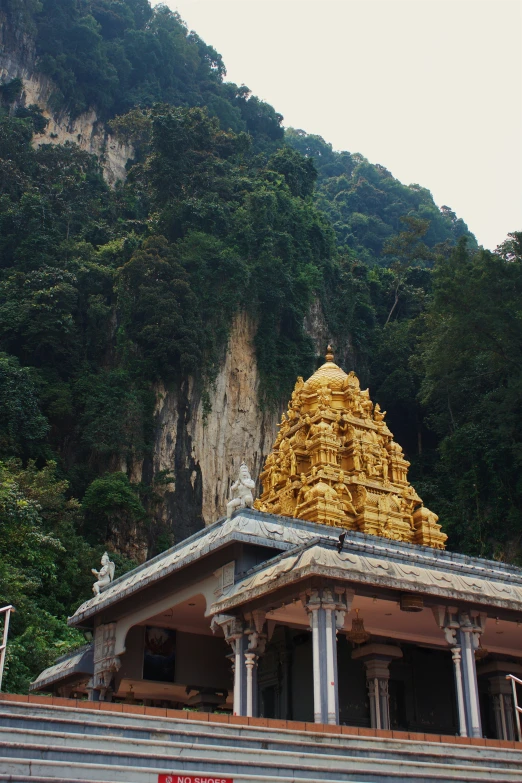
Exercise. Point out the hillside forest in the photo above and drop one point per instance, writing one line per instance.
(105, 292)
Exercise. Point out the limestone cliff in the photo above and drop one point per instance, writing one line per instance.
(204, 449)
(200, 436)
(17, 60)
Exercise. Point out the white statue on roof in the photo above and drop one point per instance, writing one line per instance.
(105, 575)
(241, 491)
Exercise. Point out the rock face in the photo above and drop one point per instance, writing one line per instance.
(204, 448)
(17, 60)
(200, 438)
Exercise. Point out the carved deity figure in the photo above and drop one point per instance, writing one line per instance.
(295, 402)
(357, 454)
(324, 398)
(369, 463)
(406, 508)
(345, 495)
(302, 497)
(384, 463)
(105, 575)
(366, 404)
(241, 491)
(378, 415)
(293, 461)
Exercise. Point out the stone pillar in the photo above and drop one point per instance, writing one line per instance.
(326, 608)
(238, 644)
(255, 648)
(377, 659)
(501, 695)
(503, 709)
(469, 641)
(457, 670)
(106, 663)
(462, 630)
(234, 631)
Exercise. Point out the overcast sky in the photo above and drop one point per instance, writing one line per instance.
(431, 89)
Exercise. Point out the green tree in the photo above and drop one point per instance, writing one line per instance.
(43, 568)
(471, 357)
(113, 511)
(22, 426)
(406, 249)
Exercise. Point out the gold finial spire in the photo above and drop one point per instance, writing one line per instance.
(329, 354)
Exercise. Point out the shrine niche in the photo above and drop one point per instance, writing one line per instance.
(335, 462)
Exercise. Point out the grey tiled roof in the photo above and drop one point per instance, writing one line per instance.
(78, 661)
(285, 534)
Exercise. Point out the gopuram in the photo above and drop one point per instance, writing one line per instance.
(329, 598)
(335, 462)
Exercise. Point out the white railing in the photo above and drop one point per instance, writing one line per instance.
(518, 709)
(6, 611)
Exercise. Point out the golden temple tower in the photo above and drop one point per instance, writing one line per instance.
(335, 462)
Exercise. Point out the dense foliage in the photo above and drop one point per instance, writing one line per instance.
(113, 55)
(366, 204)
(105, 292)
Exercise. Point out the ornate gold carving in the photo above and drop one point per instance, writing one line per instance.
(335, 462)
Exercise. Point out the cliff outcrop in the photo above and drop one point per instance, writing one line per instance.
(204, 440)
(201, 434)
(18, 61)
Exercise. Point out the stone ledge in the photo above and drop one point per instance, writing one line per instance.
(267, 723)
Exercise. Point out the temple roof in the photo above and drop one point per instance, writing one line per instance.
(78, 662)
(365, 558)
(335, 462)
(386, 568)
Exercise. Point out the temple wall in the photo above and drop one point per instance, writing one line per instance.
(421, 685)
(132, 660)
(354, 708)
(301, 673)
(201, 661)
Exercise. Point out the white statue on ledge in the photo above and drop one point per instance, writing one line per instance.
(105, 575)
(241, 491)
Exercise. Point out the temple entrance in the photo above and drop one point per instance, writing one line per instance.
(421, 689)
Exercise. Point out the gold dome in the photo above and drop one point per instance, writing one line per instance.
(329, 374)
(335, 462)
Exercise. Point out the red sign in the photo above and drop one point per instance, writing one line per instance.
(174, 777)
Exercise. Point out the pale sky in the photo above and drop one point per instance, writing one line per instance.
(431, 89)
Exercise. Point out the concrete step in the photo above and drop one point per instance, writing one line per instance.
(81, 744)
(85, 721)
(205, 747)
(112, 751)
(54, 770)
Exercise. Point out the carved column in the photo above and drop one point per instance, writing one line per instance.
(469, 635)
(457, 670)
(234, 632)
(501, 695)
(377, 659)
(326, 610)
(255, 648)
(503, 708)
(462, 630)
(106, 664)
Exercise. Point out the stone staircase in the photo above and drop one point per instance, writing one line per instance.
(42, 739)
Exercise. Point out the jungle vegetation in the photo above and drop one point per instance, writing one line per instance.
(105, 291)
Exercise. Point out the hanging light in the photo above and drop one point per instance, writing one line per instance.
(358, 634)
(411, 603)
